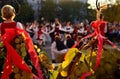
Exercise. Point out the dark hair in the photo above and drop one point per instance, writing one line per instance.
(56, 24)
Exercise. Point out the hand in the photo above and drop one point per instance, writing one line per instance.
(82, 39)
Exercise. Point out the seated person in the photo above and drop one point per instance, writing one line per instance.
(58, 50)
(69, 42)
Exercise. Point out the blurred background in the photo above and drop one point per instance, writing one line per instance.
(65, 10)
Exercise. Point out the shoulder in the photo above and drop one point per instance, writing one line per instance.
(19, 25)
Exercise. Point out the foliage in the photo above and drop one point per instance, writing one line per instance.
(26, 14)
(112, 13)
(48, 10)
(67, 10)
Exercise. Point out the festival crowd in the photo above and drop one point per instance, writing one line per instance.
(63, 35)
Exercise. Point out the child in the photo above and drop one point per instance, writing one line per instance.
(10, 30)
(8, 14)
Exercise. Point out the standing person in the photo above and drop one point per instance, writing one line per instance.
(56, 22)
(30, 31)
(98, 35)
(68, 28)
(42, 34)
(34, 29)
(8, 17)
(81, 31)
(10, 29)
(101, 28)
(56, 26)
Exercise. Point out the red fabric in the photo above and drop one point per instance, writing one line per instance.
(14, 58)
(99, 54)
(99, 26)
(86, 74)
(75, 34)
(33, 55)
(39, 33)
(99, 33)
(57, 31)
(7, 26)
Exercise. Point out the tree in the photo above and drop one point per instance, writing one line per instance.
(67, 10)
(112, 13)
(76, 10)
(48, 11)
(26, 12)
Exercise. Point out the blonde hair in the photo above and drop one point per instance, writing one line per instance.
(8, 12)
(99, 11)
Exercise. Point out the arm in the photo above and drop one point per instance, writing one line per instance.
(88, 36)
(53, 29)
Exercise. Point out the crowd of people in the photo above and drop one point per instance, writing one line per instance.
(63, 35)
(46, 31)
(67, 33)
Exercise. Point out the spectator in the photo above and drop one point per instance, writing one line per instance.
(58, 50)
(34, 29)
(69, 42)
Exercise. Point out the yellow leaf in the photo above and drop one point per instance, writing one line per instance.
(69, 57)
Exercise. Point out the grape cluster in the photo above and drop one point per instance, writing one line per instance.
(19, 44)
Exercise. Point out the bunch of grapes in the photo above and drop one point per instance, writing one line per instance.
(18, 74)
(2, 56)
(45, 61)
(108, 65)
(19, 45)
(46, 65)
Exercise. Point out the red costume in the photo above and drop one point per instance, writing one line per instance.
(99, 26)
(7, 26)
(9, 31)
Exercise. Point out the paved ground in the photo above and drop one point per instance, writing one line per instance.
(48, 50)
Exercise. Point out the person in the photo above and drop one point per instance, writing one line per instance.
(30, 31)
(42, 34)
(99, 26)
(69, 42)
(69, 28)
(58, 50)
(10, 30)
(102, 25)
(34, 29)
(8, 14)
(55, 30)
